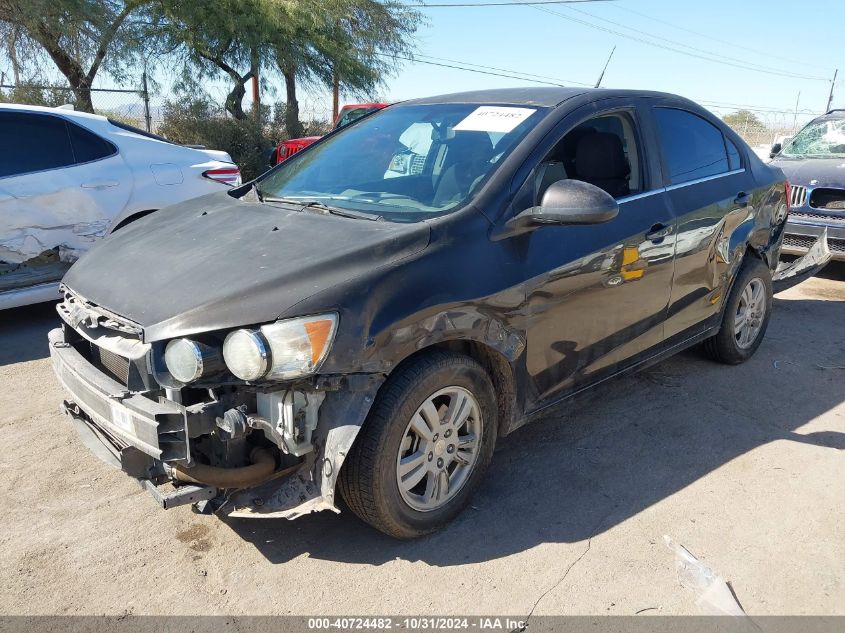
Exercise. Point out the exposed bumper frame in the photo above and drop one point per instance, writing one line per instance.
(130, 418)
(111, 419)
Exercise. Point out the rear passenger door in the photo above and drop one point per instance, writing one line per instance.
(708, 190)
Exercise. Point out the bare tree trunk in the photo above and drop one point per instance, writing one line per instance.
(292, 123)
(75, 76)
(234, 100)
(13, 57)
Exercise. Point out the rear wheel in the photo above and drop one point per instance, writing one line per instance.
(424, 447)
(746, 315)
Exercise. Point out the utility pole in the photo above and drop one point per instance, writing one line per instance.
(606, 64)
(148, 122)
(832, 84)
(795, 118)
(256, 97)
(335, 96)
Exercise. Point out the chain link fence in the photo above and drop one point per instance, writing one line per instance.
(134, 107)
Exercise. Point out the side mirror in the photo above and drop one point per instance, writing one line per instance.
(568, 202)
(775, 150)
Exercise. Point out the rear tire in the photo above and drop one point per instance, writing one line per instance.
(424, 447)
(746, 315)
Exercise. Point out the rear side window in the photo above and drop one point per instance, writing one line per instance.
(87, 146)
(693, 148)
(733, 155)
(32, 142)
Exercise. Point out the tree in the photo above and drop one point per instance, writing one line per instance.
(222, 36)
(80, 37)
(744, 121)
(357, 41)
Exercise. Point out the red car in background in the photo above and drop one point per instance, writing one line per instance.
(347, 115)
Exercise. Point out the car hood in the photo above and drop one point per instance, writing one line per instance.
(216, 262)
(813, 172)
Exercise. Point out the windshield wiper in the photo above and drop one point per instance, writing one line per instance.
(297, 203)
(346, 213)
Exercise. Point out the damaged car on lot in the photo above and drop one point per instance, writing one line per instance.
(338, 328)
(69, 178)
(814, 164)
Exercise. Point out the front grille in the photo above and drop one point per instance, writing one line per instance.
(805, 242)
(818, 217)
(110, 363)
(798, 197)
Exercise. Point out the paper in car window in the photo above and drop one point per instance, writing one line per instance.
(494, 119)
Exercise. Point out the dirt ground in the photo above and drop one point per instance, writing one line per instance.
(742, 465)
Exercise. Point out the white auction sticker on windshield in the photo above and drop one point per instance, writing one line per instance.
(494, 119)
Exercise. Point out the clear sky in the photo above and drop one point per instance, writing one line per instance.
(783, 36)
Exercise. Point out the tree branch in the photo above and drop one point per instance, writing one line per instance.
(107, 38)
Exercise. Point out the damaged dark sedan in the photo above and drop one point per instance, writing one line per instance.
(369, 317)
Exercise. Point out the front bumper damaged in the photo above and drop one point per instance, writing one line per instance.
(128, 419)
(148, 439)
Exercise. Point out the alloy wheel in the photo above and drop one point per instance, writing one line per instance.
(750, 313)
(439, 449)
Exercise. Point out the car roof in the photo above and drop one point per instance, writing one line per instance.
(543, 96)
(67, 112)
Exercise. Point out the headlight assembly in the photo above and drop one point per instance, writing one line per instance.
(187, 360)
(280, 350)
(247, 354)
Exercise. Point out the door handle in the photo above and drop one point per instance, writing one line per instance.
(99, 184)
(742, 199)
(658, 232)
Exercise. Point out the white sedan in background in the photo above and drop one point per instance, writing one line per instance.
(70, 178)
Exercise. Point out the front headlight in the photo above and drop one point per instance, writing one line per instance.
(187, 360)
(280, 350)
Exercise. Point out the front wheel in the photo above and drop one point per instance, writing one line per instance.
(746, 315)
(424, 447)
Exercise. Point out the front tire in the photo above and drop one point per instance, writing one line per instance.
(746, 315)
(424, 447)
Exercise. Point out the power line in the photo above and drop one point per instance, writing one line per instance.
(708, 58)
(509, 74)
(505, 4)
(558, 80)
(733, 44)
(755, 66)
(515, 74)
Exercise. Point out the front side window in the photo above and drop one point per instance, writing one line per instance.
(692, 147)
(33, 142)
(820, 139)
(602, 151)
(405, 163)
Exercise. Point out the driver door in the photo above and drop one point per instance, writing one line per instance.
(599, 297)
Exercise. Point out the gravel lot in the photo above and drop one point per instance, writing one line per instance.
(743, 465)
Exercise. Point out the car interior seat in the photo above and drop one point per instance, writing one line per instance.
(466, 155)
(600, 160)
(547, 173)
(569, 147)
